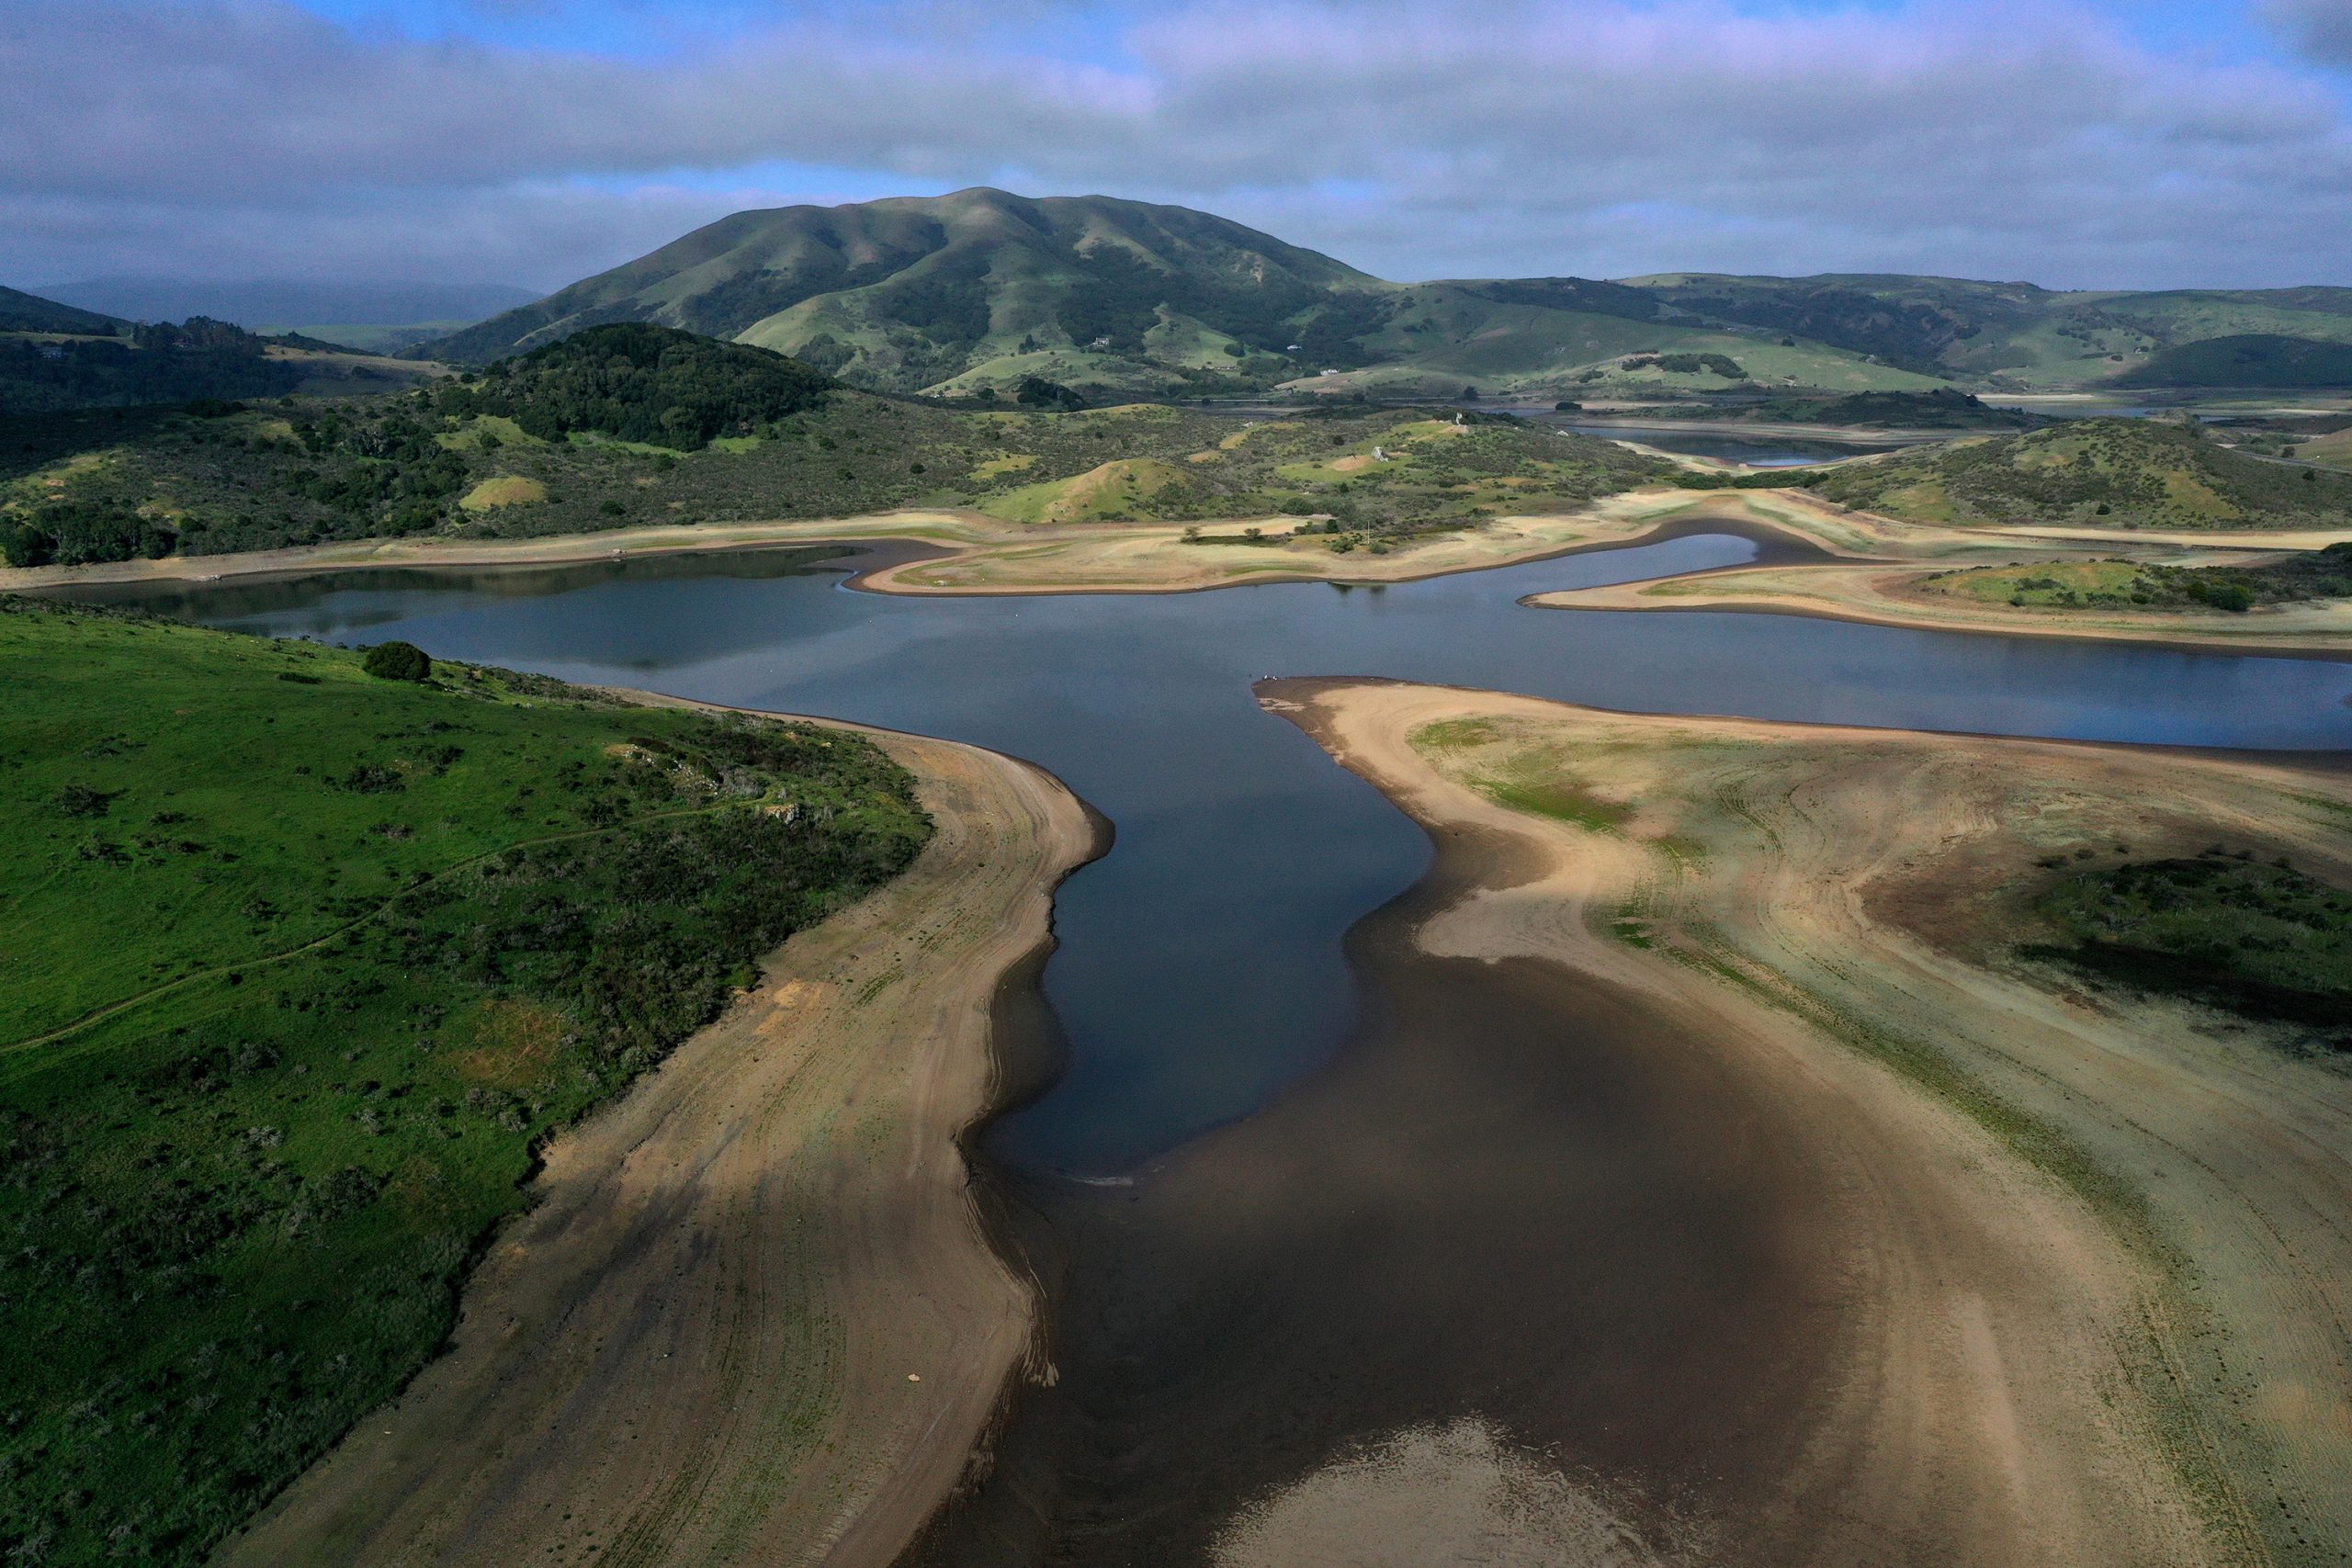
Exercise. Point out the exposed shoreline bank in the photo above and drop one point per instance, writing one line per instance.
(757, 1306)
(1852, 595)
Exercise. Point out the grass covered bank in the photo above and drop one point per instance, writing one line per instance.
(298, 967)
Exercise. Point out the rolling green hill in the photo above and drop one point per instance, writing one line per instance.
(2252, 359)
(909, 293)
(2112, 473)
(981, 289)
(1120, 299)
(298, 968)
(2008, 335)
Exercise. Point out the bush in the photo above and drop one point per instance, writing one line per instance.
(397, 661)
(1035, 391)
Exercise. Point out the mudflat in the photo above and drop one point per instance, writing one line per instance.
(2066, 1280)
(754, 1314)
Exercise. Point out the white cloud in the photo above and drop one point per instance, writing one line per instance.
(1429, 138)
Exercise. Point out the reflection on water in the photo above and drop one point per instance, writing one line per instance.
(1200, 967)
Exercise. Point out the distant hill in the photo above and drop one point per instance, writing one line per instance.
(2253, 359)
(162, 363)
(1946, 408)
(2118, 473)
(2004, 334)
(904, 294)
(257, 303)
(200, 360)
(979, 289)
(23, 312)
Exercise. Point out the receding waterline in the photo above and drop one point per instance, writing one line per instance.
(1200, 967)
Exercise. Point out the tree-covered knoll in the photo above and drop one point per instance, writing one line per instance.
(636, 382)
(298, 965)
(2116, 473)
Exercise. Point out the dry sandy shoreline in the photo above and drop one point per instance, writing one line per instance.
(754, 1312)
(2130, 1344)
(956, 554)
(1874, 595)
(945, 554)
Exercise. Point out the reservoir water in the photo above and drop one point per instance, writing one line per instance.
(1755, 451)
(1201, 966)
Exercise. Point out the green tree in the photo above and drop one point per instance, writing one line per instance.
(397, 661)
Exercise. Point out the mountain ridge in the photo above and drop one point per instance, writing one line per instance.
(980, 288)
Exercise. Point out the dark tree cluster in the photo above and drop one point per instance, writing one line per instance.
(164, 364)
(634, 381)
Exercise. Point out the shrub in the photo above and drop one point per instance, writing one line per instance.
(397, 661)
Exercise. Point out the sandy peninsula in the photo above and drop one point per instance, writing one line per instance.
(753, 1314)
(2094, 1282)
(1900, 596)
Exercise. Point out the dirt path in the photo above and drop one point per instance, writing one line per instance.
(703, 1344)
(2096, 1283)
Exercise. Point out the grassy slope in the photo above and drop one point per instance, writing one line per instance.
(2333, 450)
(296, 968)
(2104, 472)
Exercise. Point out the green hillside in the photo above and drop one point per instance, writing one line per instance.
(297, 966)
(23, 312)
(2007, 335)
(1120, 299)
(555, 443)
(1117, 299)
(2100, 472)
(909, 293)
(2253, 359)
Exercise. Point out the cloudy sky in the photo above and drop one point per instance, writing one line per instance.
(2073, 142)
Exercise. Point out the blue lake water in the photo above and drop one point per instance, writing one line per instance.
(1200, 967)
